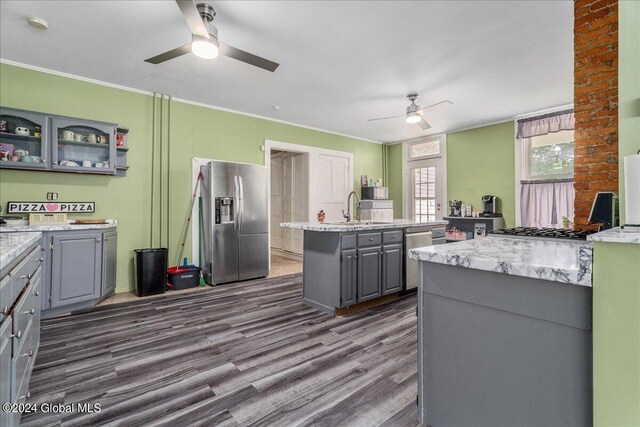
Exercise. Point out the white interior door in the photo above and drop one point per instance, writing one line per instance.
(425, 190)
(299, 198)
(332, 183)
(276, 201)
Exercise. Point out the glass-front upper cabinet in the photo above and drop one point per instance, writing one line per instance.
(23, 139)
(83, 146)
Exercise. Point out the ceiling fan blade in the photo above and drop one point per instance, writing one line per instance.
(385, 118)
(446, 101)
(174, 53)
(191, 14)
(247, 57)
(423, 124)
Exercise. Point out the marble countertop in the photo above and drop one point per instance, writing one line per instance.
(12, 245)
(566, 262)
(6, 228)
(617, 235)
(357, 226)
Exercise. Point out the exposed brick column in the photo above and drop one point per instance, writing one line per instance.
(595, 98)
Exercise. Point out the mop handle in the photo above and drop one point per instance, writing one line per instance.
(186, 227)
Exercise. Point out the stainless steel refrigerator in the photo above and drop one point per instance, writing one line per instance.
(234, 213)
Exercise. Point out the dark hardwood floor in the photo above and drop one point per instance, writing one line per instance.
(243, 354)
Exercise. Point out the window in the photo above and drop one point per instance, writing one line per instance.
(424, 194)
(548, 156)
(424, 149)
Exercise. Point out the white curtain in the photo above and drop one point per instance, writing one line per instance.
(548, 123)
(544, 203)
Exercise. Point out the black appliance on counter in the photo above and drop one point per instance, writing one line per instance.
(604, 210)
(549, 233)
(490, 206)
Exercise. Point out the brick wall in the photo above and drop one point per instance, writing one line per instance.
(595, 100)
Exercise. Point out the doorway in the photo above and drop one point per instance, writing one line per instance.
(425, 178)
(289, 200)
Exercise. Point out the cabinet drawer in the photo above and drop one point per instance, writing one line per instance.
(22, 272)
(349, 241)
(21, 365)
(25, 309)
(392, 237)
(437, 233)
(369, 239)
(6, 297)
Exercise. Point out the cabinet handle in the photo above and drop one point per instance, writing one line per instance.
(32, 311)
(40, 259)
(30, 354)
(36, 293)
(18, 335)
(26, 396)
(98, 240)
(5, 310)
(371, 239)
(28, 276)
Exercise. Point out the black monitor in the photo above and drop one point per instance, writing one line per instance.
(604, 210)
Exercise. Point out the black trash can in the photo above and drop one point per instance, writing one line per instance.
(151, 271)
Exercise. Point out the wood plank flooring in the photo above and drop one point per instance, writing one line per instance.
(244, 354)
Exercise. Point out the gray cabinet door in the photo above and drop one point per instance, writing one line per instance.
(369, 273)
(391, 269)
(109, 262)
(5, 369)
(76, 268)
(348, 277)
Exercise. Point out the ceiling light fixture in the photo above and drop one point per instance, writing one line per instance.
(38, 23)
(413, 117)
(204, 47)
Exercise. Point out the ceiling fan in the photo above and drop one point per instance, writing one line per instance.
(414, 112)
(204, 39)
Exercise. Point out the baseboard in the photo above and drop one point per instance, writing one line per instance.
(286, 254)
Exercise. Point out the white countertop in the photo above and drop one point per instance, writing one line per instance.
(12, 245)
(617, 235)
(354, 226)
(566, 262)
(6, 228)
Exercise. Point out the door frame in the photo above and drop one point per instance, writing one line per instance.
(442, 166)
(312, 166)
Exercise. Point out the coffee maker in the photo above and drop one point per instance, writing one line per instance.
(490, 206)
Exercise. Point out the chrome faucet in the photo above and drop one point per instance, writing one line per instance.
(347, 215)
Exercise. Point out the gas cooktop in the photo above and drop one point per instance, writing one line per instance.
(552, 233)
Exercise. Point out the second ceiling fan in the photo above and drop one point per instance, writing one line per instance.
(414, 112)
(204, 39)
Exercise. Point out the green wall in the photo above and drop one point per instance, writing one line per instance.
(616, 334)
(187, 131)
(628, 85)
(482, 161)
(394, 177)
(616, 270)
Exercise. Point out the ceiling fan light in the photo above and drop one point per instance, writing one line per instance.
(413, 117)
(204, 48)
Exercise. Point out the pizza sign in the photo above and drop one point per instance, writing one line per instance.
(40, 207)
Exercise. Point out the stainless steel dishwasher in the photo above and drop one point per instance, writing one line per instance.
(418, 237)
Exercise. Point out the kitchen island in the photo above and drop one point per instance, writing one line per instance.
(345, 264)
(504, 333)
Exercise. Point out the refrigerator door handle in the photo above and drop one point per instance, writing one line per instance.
(236, 193)
(241, 202)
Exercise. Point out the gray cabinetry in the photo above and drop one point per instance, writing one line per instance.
(348, 277)
(109, 261)
(369, 273)
(19, 330)
(5, 368)
(76, 273)
(392, 278)
(25, 143)
(89, 145)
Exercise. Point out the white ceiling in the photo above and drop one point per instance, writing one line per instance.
(341, 62)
